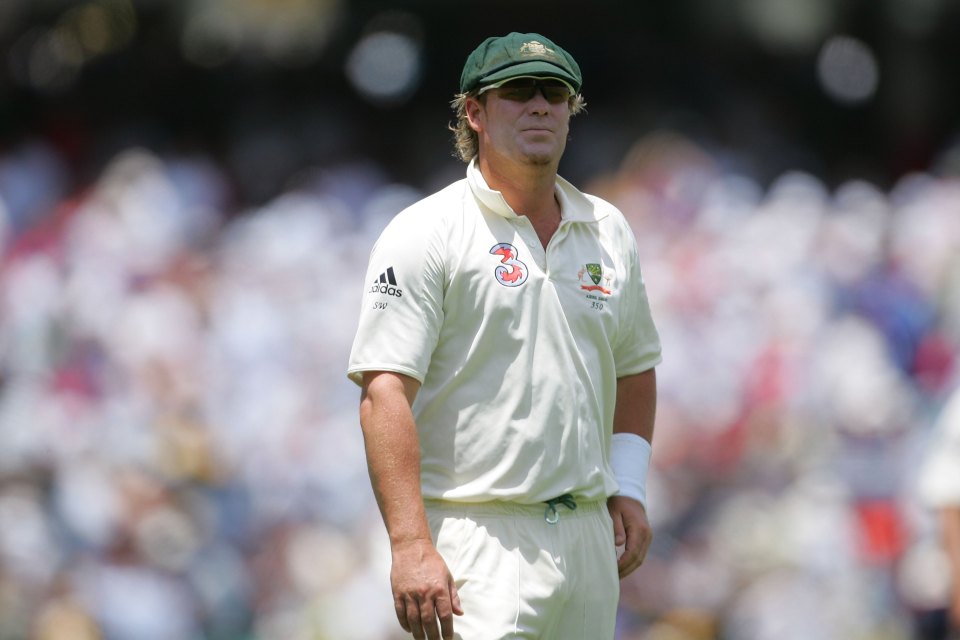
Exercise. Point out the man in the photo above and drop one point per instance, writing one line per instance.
(940, 489)
(506, 354)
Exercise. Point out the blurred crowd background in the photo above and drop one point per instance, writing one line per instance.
(188, 194)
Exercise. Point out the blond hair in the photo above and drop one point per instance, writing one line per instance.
(466, 143)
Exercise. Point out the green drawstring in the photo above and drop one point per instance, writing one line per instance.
(551, 515)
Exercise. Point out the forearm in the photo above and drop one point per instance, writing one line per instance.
(630, 457)
(393, 455)
(424, 592)
(630, 448)
(636, 406)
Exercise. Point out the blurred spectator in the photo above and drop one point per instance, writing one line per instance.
(179, 452)
(188, 194)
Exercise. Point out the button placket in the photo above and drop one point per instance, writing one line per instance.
(552, 246)
(529, 236)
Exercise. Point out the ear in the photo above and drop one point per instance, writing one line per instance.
(474, 111)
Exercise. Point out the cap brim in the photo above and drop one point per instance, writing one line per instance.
(537, 68)
(499, 83)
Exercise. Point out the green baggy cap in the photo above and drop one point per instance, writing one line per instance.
(515, 55)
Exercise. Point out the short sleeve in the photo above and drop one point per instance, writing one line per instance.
(637, 345)
(402, 305)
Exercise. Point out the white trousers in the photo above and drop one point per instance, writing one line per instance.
(519, 576)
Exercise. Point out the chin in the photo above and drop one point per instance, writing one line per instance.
(541, 157)
(539, 160)
(544, 155)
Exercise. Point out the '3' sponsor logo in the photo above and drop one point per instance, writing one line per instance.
(510, 272)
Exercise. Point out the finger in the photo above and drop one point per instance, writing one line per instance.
(628, 561)
(638, 541)
(428, 618)
(444, 609)
(413, 619)
(445, 614)
(448, 604)
(619, 535)
(401, 609)
(455, 599)
(646, 541)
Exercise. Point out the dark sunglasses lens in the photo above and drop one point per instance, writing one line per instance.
(523, 89)
(520, 90)
(555, 93)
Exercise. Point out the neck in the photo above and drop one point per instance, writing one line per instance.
(528, 189)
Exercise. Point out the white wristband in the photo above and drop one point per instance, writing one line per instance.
(630, 459)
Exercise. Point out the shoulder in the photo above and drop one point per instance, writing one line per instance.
(430, 213)
(588, 207)
(425, 227)
(611, 220)
(437, 205)
(606, 209)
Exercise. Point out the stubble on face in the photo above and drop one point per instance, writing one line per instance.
(543, 149)
(531, 134)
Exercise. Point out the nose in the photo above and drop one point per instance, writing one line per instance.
(538, 102)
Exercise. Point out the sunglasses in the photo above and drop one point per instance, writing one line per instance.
(523, 89)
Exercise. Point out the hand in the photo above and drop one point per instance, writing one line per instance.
(423, 591)
(631, 529)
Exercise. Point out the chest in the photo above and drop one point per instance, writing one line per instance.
(510, 273)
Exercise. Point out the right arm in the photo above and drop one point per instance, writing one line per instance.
(423, 588)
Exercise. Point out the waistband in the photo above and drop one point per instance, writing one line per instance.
(500, 508)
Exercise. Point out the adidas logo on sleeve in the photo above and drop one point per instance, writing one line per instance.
(386, 284)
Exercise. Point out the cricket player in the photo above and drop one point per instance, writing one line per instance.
(506, 355)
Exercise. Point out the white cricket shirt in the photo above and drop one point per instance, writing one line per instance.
(518, 348)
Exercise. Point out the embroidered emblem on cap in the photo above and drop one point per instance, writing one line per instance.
(534, 48)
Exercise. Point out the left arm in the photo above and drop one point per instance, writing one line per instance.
(634, 413)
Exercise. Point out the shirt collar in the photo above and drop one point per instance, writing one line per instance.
(574, 205)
